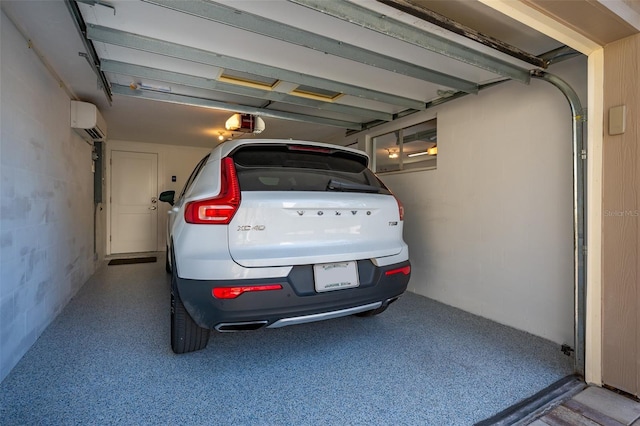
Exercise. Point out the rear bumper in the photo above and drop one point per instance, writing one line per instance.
(297, 302)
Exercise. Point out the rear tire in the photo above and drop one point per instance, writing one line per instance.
(186, 335)
(167, 265)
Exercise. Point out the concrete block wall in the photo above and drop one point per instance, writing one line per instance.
(46, 200)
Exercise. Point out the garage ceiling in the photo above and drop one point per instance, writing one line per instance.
(312, 69)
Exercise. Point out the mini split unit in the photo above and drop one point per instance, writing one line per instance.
(87, 121)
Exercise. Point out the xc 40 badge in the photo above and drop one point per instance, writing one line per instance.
(251, 228)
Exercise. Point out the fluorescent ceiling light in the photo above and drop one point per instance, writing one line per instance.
(145, 86)
(431, 151)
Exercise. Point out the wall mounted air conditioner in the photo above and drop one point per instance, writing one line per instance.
(87, 121)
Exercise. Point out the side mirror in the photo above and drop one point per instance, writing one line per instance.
(167, 196)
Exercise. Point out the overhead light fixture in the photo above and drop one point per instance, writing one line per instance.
(392, 153)
(245, 123)
(221, 136)
(431, 151)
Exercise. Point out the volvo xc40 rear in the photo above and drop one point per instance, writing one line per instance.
(271, 233)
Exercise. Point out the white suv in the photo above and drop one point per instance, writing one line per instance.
(269, 233)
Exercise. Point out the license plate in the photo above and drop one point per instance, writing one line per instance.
(335, 276)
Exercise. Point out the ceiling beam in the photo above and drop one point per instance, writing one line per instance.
(388, 26)
(135, 41)
(143, 72)
(118, 89)
(277, 30)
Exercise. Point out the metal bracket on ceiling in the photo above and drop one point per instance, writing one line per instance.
(92, 55)
(99, 83)
(446, 93)
(562, 53)
(98, 3)
(85, 56)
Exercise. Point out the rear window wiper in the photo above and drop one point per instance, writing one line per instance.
(337, 185)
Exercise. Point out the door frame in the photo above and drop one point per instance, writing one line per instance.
(151, 235)
(129, 147)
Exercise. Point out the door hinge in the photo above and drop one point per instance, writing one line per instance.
(584, 250)
(109, 238)
(583, 154)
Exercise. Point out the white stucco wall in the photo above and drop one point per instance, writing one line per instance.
(490, 230)
(46, 200)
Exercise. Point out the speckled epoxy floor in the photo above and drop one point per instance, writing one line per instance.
(106, 360)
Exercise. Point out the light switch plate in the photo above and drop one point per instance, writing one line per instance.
(617, 120)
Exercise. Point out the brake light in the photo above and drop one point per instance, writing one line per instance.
(233, 292)
(309, 149)
(400, 208)
(406, 270)
(221, 209)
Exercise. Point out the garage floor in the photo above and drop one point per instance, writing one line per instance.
(106, 359)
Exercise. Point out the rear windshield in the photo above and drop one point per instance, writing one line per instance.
(302, 168)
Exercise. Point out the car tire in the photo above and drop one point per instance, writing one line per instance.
(186, 335)
(372, 312)
(167, 265)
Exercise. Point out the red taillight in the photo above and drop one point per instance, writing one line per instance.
(221, 209)
(233, 292)
(400, 208)
(404, 270)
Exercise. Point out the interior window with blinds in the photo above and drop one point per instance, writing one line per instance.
(410, 148)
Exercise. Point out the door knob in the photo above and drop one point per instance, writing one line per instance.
(152, 208)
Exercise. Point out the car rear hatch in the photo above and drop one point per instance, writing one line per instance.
(308, 205)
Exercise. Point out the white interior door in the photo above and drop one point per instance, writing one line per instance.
(134, 202)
